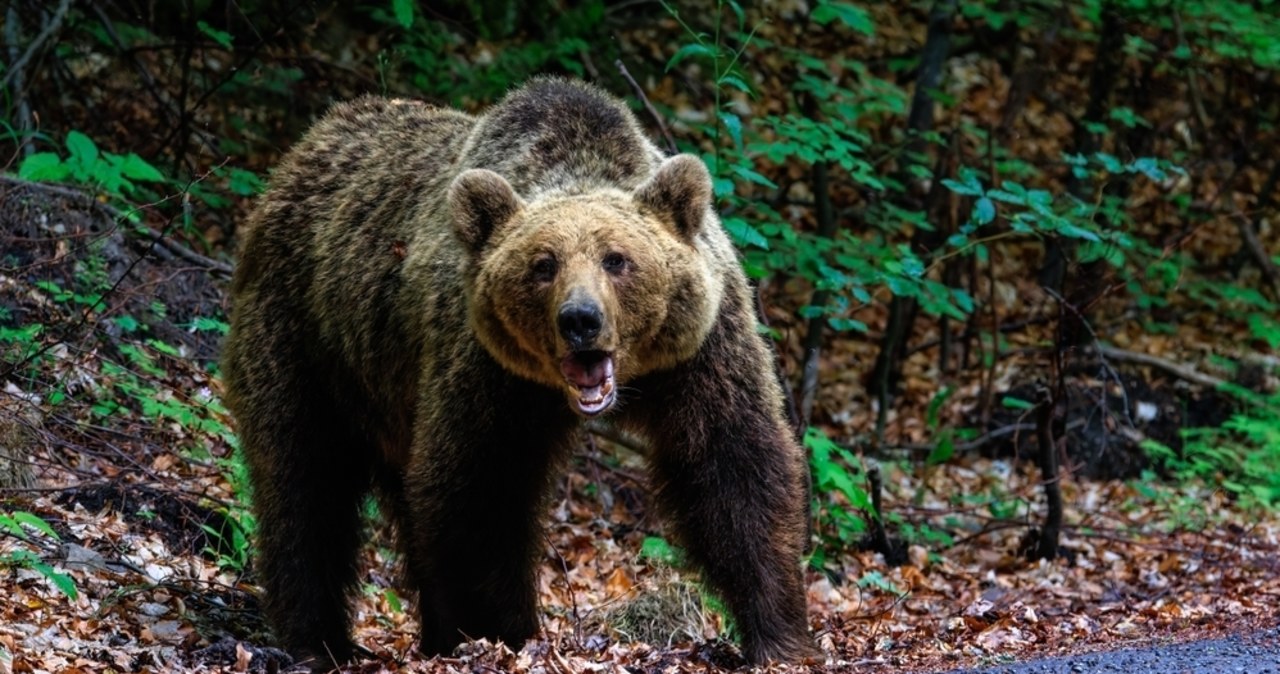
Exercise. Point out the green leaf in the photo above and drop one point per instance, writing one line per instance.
(693, 49)
(748, 174)
(1075, 232)
(721, 186)
(659, 550)
(855, 18)
(875, 579)
(1007, 197)
(846, 324)
(1109, 162)
(8, 523)
(969, 188)
(60, 580)
(935, 405)
(82, 148)
(984, 211)
(137, 168)
(222, 37)
(43, 166)
(733, 124)
(1016, 403)
(393, 600)
(163, 348)
(126, 323)
(737, 83)
(36, 523)
(1098, 250)
(403, 10)
(1149, 167)
(205, 323)
(943, 451)
(244, 183)
(744, 234)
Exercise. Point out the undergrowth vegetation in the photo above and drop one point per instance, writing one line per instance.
(952, 237)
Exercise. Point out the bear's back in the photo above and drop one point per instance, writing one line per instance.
(561, 135)
(364, 167)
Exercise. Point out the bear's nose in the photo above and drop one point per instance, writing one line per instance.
(579, 323)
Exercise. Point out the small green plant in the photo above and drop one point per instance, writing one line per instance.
(876, 580)
(393, 600)
(657, 549)
(15, 524)
(1181, 509)
(1242, 456)
(229, 544)
(423, 55)
(133, 388)
(21, 344)
(659, 552)
(840, 503)
(114, 174)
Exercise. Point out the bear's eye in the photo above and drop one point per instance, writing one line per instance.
(614, 263)
(544, 269)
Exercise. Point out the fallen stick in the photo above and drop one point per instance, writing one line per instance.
(1168, 366)
(137, 229)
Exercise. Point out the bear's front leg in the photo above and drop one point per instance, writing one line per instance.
(475, 492)
(731, 478)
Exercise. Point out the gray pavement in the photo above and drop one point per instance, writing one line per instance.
(1255, 654)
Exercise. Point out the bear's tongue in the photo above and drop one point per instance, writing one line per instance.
(590, 373)
(587, 369)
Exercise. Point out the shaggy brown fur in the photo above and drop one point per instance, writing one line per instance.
(418, 294)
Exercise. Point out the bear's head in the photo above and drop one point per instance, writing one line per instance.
(585, 292)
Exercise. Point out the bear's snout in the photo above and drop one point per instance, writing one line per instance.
(580, 322)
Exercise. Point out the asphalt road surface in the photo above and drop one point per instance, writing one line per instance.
(1255, 654)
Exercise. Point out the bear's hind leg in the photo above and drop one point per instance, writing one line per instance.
(308, 507)
(309, 476)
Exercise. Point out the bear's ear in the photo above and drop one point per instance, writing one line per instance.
(481, 201)
(679, 194)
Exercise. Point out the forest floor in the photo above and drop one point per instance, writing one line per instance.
(119, 544)
(115, 408)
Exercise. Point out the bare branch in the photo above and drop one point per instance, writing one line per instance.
(116, 215)
(15, 69)
(1168, 366)
(662, 126)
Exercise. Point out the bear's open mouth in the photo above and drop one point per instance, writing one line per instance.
(590, 373)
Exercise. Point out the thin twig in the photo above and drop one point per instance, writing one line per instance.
(147, 78)
(1047, 457)
(568, 586)
(827, 225)
(623, 473)
(878, 533)
(1249, 231)
(15, 69)
(97, 304)
(984, 439)
(1168, 366)
(793, 412)
(1193, 84)
(151, 235)
(21, 105)
(662, 126)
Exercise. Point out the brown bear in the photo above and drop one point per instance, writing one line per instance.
(428, 304)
